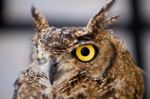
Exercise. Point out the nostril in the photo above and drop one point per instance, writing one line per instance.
(55, 64)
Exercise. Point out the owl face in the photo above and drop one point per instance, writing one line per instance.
(70, 50)
(79, 62)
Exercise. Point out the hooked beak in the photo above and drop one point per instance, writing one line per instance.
(53, 70)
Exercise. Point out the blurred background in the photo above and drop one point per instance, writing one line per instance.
(16, 31)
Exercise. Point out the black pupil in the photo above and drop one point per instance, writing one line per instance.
(85, 51)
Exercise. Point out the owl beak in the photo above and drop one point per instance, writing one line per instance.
(52, 70)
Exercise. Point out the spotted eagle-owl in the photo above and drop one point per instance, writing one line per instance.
(79, 63)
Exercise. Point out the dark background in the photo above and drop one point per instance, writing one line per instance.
(16, 31)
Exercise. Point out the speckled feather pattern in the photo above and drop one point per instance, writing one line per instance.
(55, 73)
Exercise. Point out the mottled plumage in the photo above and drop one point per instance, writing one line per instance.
(57, 72)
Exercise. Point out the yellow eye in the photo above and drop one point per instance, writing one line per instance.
(85, 52)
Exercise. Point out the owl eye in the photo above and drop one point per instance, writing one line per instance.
(85, 53)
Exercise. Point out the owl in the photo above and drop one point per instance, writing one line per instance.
(79, 63)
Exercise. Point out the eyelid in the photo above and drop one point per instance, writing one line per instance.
(86, 43)
(81, 43)
(40, 55)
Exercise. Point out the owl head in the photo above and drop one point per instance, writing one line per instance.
(72, 51)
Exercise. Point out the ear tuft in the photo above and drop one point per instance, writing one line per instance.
(33, 12)
(39, 20)
(106, 8)
(98, 22)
